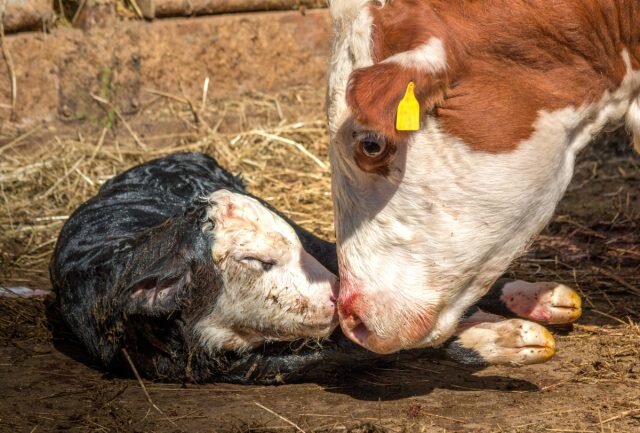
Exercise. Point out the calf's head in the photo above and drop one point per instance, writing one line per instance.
(427, 220)
(242, 273)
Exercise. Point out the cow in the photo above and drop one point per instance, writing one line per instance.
(509, 91)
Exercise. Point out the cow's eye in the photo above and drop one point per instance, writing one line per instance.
(373, 153)
(258, 264)
(372, 146)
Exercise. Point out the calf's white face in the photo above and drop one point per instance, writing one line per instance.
(272, 288)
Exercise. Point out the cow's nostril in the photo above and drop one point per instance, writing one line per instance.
(355, 329)
(361, 333)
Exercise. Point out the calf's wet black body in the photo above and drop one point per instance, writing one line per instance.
(144, 229)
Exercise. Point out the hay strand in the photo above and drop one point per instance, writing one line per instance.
(288, 421)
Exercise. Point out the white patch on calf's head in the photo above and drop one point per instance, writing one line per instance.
(272, 288)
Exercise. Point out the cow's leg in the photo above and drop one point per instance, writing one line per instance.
(544, 302)
(488, 339)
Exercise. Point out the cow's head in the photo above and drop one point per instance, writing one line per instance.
(427, 220)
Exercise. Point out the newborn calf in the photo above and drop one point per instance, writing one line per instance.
(174, 258)
(174, 261)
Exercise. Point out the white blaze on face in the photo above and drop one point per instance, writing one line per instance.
(421, 245)
(272, 288)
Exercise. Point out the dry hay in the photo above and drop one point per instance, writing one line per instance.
(618, 353)
(285, 163)
(41, 184)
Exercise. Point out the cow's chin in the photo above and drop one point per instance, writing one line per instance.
(407, 316)
(447, 320)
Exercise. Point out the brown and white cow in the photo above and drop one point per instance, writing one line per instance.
(510, 91)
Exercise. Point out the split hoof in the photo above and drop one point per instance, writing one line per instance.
(545, 302)
(507, 342)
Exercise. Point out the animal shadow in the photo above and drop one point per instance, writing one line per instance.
(417, 373)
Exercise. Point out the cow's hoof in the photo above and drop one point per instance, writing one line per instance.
(545, 302)
(508, 342)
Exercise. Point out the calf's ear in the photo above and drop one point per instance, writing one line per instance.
(159, 289)
(164, 264)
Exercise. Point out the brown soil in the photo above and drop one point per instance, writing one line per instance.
(48, 384)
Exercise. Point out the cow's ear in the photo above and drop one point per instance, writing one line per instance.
(159, 289)
(374, 93)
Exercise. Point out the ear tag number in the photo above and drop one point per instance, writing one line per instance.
(408, 115)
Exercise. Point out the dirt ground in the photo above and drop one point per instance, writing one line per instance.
(593, 384)
(278, 141)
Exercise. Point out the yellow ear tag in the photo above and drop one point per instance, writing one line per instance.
(408, 116)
